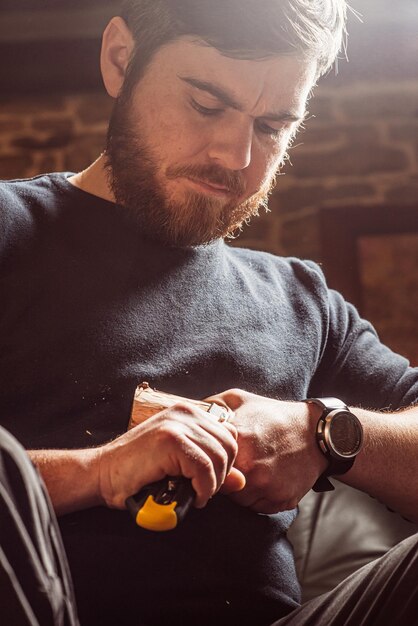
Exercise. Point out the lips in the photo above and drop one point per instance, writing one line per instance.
(209, 187)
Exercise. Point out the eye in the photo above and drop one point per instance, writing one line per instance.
(266, 129)
(206, 111)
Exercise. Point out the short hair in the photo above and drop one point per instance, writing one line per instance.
(246, 29)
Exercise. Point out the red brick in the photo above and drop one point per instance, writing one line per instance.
(358, 159)
(14, 166)
(381, 103)
(48, 163)
(47, 143)
(30, 105)
(11, 125)
(315, 134)
(300, 197)
(83, 151)
(94, 108)
(301, 238)
(54, 126)
(321, 107)
(407, 193)
(404, 132)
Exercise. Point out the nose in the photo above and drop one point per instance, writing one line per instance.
(231, 146)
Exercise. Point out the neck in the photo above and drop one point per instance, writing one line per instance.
(94, 180)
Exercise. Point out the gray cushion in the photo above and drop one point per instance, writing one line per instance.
(339, 531)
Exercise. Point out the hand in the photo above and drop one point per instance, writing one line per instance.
(277, 450)
(182, 440)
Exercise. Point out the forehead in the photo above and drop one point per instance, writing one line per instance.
(278, 82)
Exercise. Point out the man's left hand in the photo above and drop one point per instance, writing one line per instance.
(277, 450)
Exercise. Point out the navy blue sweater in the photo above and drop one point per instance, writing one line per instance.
(90, 308)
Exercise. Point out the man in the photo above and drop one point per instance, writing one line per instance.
(120, 274)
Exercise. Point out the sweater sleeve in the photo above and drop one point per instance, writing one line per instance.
(354, 365)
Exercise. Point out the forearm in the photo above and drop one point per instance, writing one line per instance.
(71, 477)
(387, 467)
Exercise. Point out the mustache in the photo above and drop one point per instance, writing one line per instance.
(212, 174)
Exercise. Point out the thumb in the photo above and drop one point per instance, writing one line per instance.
(235, 481)
(231, 398)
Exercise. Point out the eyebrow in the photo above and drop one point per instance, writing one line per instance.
(228, 99)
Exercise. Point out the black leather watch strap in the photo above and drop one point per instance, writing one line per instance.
(333, 469)
(335, 409)
(323, 484)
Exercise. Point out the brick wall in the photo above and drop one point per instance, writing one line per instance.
(360, 146)
(51, 133)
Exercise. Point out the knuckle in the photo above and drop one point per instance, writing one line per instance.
(237, 393)
(234, 397)
(168, 433)
(184, 408)
(246, 465)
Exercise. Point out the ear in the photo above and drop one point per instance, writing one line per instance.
(117, 47)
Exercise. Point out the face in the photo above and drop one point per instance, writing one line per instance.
(194, 151)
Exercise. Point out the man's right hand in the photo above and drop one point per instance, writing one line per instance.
(182, 440)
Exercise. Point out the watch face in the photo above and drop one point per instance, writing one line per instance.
(344, 434)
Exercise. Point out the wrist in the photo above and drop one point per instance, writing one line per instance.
(70, 476)
(312, 416)
(105, 492)
(83, 489)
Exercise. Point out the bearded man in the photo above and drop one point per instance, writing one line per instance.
(121, 273)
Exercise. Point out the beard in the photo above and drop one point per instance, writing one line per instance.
(133, 175)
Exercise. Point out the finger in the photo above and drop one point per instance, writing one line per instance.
(185, 412)
(218, 456)
(234, 481)
(196, 465)
(183, 422)
(232, 429)
(231, 398)
(251, 498)
(194, 433)
(211, 434)
(204, 459)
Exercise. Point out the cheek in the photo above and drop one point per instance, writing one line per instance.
(264, 165)
(176, 141)
(164, 128)
(276, 156)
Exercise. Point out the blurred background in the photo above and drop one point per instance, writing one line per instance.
(349, 197)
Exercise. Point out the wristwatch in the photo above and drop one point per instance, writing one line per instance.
(339, 435)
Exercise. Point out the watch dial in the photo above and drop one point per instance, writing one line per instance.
(345, 433)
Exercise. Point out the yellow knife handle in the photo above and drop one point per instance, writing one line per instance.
(162, 505)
